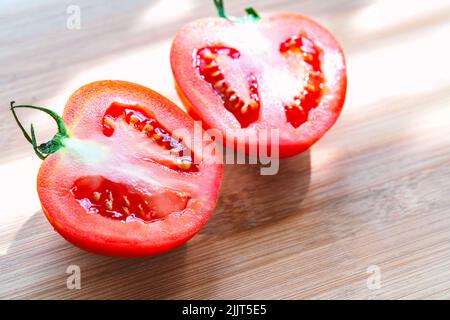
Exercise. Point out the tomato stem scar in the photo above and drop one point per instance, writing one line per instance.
(47, 148)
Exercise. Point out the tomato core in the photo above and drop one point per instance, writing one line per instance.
(246, 112)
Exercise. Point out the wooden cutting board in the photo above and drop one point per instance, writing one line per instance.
(364, 214)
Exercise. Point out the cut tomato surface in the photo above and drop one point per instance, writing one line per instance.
(123, 183)
(283, 71)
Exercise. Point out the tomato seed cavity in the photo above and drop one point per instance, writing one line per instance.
(146, 123)
(298, 109)
(117, 201)
(209, 69)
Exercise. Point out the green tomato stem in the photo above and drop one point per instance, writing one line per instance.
(252, 15)
(44, 149)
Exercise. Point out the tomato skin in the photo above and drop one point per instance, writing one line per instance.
(102, 235)
(203, 103)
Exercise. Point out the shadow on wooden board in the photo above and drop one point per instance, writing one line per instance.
(249, 199)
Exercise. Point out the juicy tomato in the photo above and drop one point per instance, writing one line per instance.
(123, 184)
(283, 72)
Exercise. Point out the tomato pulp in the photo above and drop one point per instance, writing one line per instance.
(240, 76)
(121, 183)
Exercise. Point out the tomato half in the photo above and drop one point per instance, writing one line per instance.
(283, 71)
(122, 184)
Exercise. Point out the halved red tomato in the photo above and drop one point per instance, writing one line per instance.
(117, 180)
(283, 72)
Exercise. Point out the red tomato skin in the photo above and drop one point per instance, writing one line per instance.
(69, 219)
(194, 92)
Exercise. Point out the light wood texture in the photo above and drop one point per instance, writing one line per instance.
(374, 191)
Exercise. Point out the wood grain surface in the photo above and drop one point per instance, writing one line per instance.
(373, 193)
